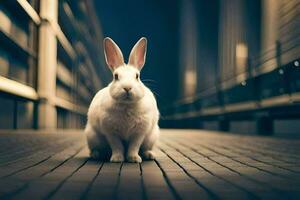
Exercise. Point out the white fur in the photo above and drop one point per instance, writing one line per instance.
(115, 119)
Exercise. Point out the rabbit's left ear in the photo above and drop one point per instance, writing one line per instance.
(137, 55)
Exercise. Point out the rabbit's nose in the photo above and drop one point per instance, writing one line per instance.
(127, 89)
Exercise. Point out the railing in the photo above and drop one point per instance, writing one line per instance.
(76, 79)
(268, 94)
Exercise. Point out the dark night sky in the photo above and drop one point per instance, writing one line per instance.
(126, 21)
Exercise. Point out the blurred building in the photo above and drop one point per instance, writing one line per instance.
(230, 65)
(50, 64)
(239, 67)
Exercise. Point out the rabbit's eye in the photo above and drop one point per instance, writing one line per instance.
(116, 76)
(137, 76)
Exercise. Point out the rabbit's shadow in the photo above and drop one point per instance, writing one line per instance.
(107, 160)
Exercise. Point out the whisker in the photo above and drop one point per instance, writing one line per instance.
(151, 86)
(156, 94)
(149, 80)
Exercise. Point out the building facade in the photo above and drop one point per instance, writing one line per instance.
(246, 67)
(50, 63)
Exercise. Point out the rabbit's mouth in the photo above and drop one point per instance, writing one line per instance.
(127, 96)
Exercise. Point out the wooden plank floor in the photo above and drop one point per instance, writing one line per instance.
(189, 165)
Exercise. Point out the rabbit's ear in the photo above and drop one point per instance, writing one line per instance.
(138, 53)
(113, 54)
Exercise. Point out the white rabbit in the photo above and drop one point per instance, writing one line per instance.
(123, 115)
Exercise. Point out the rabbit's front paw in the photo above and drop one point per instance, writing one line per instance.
(149, 155)
(117, 157)
(134, 158)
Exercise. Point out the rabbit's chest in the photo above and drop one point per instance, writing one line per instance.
(125, 123)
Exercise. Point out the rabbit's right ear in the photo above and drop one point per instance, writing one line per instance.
(113, 55)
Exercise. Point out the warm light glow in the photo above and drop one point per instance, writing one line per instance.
(241, 50)
(190, 78)
(241, 57)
